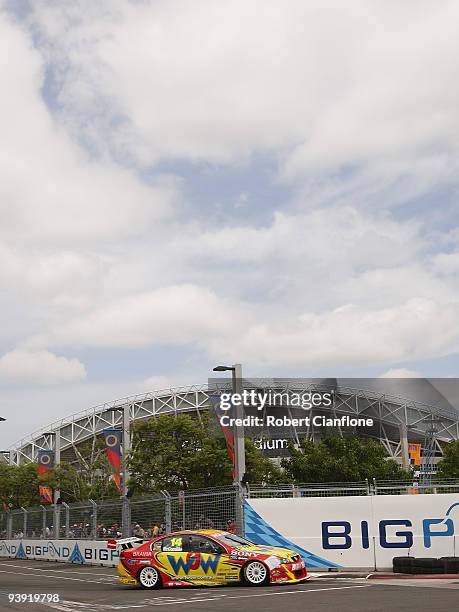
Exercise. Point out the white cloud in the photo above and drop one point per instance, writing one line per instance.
(179, 315)
(39, 368)
(324, 85)
(349, 335)
(156, 383)
(50, 188)
(400, 373)
(355, 103)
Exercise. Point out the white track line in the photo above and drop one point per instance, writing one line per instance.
(226, 597)
(42, 569)
(58, 577)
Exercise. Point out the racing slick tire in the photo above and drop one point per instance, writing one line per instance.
(255, 573)
(149, 578)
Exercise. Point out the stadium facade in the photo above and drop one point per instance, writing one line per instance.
(419, 414)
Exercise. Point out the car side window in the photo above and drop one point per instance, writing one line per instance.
(204, 545)
(156, 546)
(175, 543)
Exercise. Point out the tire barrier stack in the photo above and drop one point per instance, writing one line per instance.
(425, 565)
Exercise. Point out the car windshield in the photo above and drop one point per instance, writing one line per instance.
(232, 539)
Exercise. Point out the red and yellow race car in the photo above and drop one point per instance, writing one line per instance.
(206, 557)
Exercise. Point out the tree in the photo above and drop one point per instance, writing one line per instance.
(181, 452)
(339, 459)
(19, 485)
(448, 467)
(176, 452)
(260, 469)
(87, 477)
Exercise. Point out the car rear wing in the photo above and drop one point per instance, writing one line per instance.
(124, 544)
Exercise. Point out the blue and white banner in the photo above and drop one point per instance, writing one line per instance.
(363, 532)
(70, 551)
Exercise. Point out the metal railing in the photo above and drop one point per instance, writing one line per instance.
(219, 508)
(365, 487)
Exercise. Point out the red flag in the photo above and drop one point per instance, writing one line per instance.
(113, 449)
(229, 437)
(46, 494)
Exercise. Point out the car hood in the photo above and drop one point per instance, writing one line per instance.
(267, 550)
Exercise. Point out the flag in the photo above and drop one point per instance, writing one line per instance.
(46, 494)
(228, 432)
(45, 461)
(112, 439)
(414, 451)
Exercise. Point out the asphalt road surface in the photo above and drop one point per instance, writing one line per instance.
(95, 589)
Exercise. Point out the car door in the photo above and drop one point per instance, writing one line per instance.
(172, 555)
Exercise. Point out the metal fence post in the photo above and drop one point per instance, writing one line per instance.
(126, 517)
(57, 521)
(67, 520)
(9, 526)
(375, 488)
(43, 531)
(239, 508)
(368, 486)
(24, 528)
(93, 519)
(167, 511)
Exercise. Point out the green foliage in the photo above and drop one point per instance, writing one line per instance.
(88, 477)
(19, 485)
(179, 452)
(448, 467)
(261, 469)
(341, 460)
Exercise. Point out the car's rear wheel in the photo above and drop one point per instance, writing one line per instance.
(149, 578)
(256, 573)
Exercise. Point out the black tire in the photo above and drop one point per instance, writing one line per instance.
(149, 578)
(450, 565)
(427, 563)
(402, 561)
(255, 573)
(428, 570)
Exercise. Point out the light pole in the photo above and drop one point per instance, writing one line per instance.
(10, 453)
(57, 492)
(238, 430)
(126, 528)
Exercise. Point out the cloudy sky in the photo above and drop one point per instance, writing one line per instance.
(190, 182)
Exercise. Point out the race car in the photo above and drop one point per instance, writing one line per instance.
(206, 557)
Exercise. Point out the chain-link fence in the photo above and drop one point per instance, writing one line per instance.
(219, 508)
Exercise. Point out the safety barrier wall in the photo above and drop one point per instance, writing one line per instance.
(68, 551)
(329, 532)
(357, 532)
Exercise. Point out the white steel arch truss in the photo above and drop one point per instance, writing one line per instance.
(388, 412)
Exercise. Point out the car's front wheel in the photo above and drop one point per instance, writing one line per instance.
(256, 573)
(149, 578)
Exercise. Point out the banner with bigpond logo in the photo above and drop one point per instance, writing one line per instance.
(357, 532)
(85, 552)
